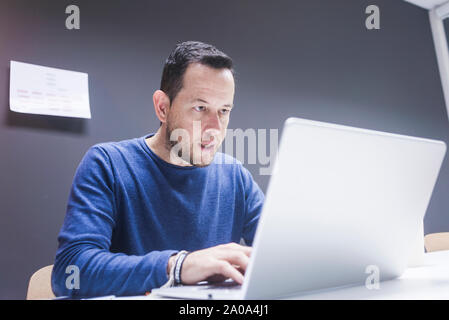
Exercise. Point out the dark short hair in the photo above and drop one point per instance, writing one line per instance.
(182, 56)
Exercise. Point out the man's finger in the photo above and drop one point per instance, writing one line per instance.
(236, 258)
(246, 250)
(234, 246)
(224, 268)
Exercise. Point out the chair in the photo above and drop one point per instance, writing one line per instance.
(436, 241)
(39, 287)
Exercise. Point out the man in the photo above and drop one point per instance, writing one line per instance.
(166, 208)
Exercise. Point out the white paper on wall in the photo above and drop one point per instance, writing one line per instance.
(48, 91)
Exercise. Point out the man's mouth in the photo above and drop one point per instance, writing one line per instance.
(207, 146)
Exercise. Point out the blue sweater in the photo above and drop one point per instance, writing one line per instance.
(129, 211)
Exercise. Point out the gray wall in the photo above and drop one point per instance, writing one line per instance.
(311, 59)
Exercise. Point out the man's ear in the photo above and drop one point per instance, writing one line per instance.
(161, 104)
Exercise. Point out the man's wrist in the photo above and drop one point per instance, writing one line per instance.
(173, 269)
(170, 263)
(170, 270)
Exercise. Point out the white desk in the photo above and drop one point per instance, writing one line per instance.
(430, 281)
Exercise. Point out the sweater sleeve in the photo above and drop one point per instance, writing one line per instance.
(254, 199)
(85, 239)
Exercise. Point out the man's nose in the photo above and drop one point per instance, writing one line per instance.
(212, 121)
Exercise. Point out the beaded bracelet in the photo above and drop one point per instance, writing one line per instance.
(178, 265)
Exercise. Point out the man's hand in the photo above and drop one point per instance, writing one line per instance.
(216, 264)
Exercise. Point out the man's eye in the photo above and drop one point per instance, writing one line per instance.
(199, 108)
(225, 111)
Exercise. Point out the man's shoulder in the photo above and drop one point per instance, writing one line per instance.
(107, 153)
(113, 147)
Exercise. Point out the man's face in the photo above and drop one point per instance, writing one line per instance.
(201, 110)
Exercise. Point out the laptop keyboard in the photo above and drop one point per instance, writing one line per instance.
(227, 285)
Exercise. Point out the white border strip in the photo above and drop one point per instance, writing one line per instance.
(442, 51)
(442, 11)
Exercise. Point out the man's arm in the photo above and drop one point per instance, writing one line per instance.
(254, 200)
(85, 239)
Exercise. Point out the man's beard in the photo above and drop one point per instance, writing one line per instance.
(169, 144)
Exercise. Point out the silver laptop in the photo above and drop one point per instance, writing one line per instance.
(340, 200)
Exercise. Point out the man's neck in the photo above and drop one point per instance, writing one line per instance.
(158, 144)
